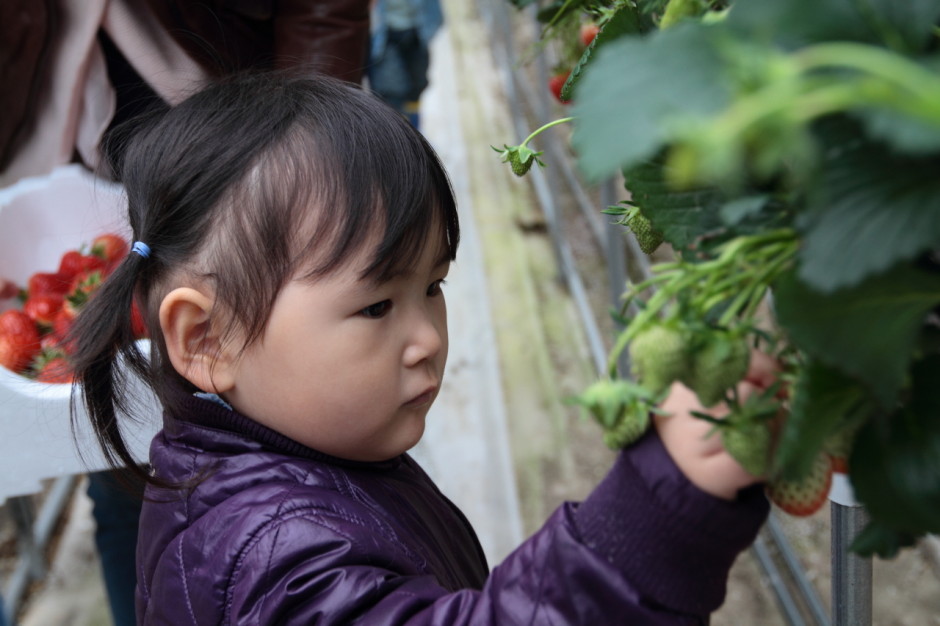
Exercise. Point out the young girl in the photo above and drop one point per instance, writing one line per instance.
(292, 239)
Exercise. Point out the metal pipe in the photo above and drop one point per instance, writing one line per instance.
(807, 590)
(789, 609)
(39, 533)
(851, 573)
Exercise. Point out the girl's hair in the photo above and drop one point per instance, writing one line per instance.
(242, 186)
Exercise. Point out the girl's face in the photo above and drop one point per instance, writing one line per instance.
(347, 366)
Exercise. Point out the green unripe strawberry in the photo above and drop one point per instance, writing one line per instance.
(648, 237)
(718, 365)
(608, 400)
(631, 427)
(659, 355)
(520, 158)
(748, 441)
(519, 168)
(622, 409)
(803, 497)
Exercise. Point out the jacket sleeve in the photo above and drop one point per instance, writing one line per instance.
(645, 547)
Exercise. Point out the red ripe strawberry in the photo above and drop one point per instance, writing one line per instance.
(19, 340)
(50, 341)
(62, 326)
(83, 285)
(111, 248)
(42, 307)
(840, 464)
(588, 33)
(804, 497)
(137, 322)
(8, 289)
(74, 262)
(556, 82)
(70, 264)
(47, 282)
(54, 369)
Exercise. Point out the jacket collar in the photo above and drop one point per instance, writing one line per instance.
(186, 408)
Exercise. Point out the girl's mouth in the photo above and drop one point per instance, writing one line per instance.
(424, 398)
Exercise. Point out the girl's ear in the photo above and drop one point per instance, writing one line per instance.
(193, 343)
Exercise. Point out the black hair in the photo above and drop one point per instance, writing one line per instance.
(245, 184)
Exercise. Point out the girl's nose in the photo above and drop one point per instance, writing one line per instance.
(427, 339)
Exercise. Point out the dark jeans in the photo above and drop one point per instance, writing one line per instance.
(117, 498)
(400, 75)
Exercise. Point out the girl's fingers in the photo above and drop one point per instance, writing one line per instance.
(695, 444)
(763, 369)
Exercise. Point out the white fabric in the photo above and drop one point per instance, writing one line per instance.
(80, 101)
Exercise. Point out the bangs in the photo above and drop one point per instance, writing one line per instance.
(382, 185)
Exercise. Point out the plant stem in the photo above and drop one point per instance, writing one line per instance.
(873, 61)
(535, 132)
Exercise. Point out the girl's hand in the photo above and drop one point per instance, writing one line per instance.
(695, 445)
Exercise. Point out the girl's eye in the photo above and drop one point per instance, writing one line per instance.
(435, 287)
(377, 310)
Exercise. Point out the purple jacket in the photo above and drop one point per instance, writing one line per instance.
(271, 532)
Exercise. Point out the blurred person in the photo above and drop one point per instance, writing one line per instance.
(399, 54)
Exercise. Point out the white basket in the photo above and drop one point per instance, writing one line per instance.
(40, 219)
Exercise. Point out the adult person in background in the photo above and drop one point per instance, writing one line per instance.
(399, 54)
(74, 74)
(71, 70)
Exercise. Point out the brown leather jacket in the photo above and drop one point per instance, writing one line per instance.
(27, 33)
(326, 36)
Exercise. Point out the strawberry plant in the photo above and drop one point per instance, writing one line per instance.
(788, 153)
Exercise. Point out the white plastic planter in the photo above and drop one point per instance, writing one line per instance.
(40, 219)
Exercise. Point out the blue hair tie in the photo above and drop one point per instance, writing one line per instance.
(141, 248)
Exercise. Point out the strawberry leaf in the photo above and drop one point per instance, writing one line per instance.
(848, 233)
(902, 25)
(895, 463)
(868, 331)
(880, 539)
(625, 21)
(623, 114)
(823, 400)
(681, 216)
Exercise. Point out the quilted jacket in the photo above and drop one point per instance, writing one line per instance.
(268, 531)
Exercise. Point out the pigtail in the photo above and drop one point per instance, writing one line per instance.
(105, 355)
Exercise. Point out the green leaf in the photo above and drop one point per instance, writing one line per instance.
(636, 86)
(895, 463)
(884, 541)
(905, 26)
(740, 208)
(824, 400)
(904, 133)
(681, 216)
(871, 209)
(902, 25)
(625, 21)
(868, 331)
